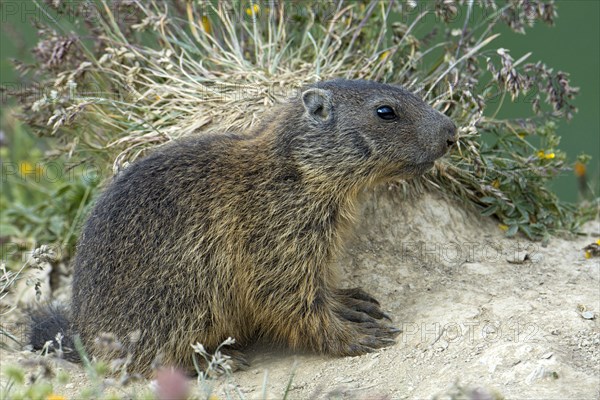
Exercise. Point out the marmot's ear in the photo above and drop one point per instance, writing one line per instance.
(317, 103)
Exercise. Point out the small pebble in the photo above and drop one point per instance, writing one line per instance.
(588, 315)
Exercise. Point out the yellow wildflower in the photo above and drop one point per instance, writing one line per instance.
(384, 55)
(543, 155)
(592, 249)
(496, 183)
(28, 170)
(25, 168)
(503, 227)
(253, 11)
(579, 169)
(53, 396)
(206, 24)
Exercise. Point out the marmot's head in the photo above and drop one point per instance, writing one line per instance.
(371, 129)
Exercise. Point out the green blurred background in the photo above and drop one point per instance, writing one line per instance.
(572, 45)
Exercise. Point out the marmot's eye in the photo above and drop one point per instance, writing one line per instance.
(386, 112)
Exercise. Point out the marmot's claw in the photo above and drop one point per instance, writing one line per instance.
(395, 331)
(358, 294)
(356, 316)
(358, 300)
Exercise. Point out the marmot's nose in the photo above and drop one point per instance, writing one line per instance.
(449, 132)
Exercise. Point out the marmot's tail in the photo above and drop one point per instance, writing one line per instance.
(51, 324)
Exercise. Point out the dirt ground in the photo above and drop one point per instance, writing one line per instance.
(479, 311)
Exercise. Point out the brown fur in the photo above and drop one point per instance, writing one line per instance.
(236, 235)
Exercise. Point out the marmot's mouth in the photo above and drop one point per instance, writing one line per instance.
(417, 169)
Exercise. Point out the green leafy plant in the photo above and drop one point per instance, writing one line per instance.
(43, 200)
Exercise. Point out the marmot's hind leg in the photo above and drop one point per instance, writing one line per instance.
(236, 361)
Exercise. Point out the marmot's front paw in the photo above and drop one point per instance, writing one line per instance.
(360, 312)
